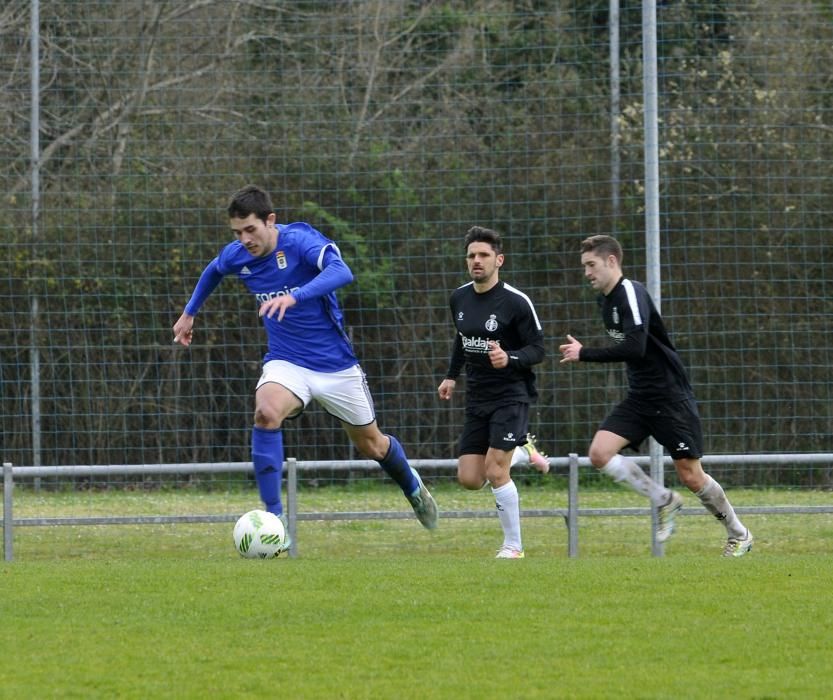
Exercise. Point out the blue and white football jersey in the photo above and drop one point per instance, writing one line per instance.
(311, 333)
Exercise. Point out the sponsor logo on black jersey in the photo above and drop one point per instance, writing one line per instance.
(475, 344)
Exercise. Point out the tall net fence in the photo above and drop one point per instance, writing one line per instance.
(394, 126)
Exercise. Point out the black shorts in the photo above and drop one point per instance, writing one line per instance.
(676, 426)
(500, 426)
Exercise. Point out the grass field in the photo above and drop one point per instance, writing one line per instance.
(383, 609)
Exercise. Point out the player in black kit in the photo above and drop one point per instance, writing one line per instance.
(499, 339)
(659, 403)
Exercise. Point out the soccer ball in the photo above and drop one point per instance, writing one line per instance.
(259, 534)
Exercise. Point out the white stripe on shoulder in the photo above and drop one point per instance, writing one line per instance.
(630, 292)
(324, 250)
(523, 296)
(467, 284)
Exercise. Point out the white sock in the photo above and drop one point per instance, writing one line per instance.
(714, 500)
(519, 456)
(623, 469)
(509, 513)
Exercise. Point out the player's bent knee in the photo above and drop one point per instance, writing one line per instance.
(471, 483)
(471, 479)
(599, 458)
(267, 420)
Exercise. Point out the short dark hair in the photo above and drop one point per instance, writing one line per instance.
(603, 246)
(484, 235)
(250, 200)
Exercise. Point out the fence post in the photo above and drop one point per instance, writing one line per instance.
(572, 508)
(292, 504)
(8, 487)
(658, 475)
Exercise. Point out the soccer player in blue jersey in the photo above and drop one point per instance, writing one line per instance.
(293, 272)
(659, 403)
(499, 339)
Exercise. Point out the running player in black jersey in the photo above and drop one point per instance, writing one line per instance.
(659, 403)
(499, 339)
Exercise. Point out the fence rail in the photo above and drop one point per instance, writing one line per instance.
(571, 463)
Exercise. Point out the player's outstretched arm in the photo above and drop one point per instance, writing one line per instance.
(209, 279)
(184, 330)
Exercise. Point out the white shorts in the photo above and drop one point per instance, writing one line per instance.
(343, 394)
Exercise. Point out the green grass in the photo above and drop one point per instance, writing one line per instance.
(383, 609)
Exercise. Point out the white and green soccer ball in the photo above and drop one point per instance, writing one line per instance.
(259, 534)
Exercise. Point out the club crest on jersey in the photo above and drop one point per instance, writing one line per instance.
(280, 258)
(615, 315)
(491, 324)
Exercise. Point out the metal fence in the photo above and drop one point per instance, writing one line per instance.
(699, 132)
(294, 504)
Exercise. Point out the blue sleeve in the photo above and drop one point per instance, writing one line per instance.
(209, 279)
(334, 274)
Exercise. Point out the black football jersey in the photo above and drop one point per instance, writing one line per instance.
(655, 370)
(506, 316)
